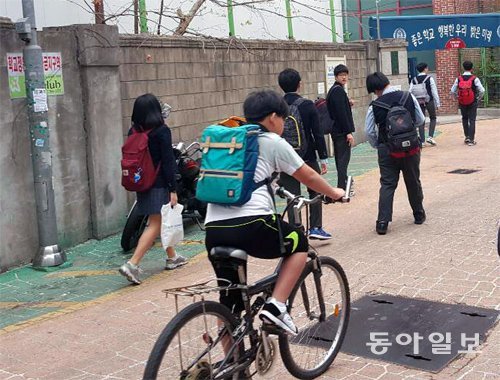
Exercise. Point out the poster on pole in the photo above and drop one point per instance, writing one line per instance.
(52, 67)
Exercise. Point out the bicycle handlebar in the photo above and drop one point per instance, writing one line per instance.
(302, 201)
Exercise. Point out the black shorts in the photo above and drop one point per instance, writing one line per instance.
(256, 235)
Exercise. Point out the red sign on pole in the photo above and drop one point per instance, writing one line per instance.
(455, 43)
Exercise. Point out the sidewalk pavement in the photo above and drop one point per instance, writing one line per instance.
(86, 322)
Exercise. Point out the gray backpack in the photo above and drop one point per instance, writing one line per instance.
(419, 90)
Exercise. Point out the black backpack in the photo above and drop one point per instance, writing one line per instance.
(294, 132)
(325, 120)
(402, 136)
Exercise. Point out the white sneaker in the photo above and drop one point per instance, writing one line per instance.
(431, 140)
(176, 262)
(130, 271)
(272, 314)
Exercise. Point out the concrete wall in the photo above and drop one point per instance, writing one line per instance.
(204, 81)
(85, 136)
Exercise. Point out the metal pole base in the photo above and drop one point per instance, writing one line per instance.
(49, 256)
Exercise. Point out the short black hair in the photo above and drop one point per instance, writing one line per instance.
(340, 69)
(147, 113)
(422, 66)
(467, 65)
(260, 104)
(289, 80)
(376, 82)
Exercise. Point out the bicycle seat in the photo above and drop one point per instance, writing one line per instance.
(224, 253)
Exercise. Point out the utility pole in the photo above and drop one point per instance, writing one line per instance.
(289, 19)
(49, 253)
(143, 16)
(230, 17)
(136, 16)
(332, 19)
(378, 20)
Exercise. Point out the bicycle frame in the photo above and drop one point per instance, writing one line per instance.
(263, 288)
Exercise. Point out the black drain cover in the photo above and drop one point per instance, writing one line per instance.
(396, 320)
(418, 319)
(464, 171)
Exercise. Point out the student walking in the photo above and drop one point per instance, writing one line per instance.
(307, 119)
(396, 153)
(339, 108)
(469, 91)
(424, 89)
(147, 118)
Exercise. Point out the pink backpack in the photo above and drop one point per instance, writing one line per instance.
(138, 171)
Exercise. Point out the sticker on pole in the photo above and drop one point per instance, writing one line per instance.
(52, 70)
(40, 100)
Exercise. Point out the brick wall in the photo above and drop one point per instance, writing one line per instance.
(205, 82)
(447, 61)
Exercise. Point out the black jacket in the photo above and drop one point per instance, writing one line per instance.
(160, 148)
(312, 129)
(340, 111)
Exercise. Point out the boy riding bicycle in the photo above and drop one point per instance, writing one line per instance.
(253, 226)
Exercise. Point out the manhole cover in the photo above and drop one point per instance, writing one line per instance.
(414, 333)
(464, 171)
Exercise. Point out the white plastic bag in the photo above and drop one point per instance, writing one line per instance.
(172, 230)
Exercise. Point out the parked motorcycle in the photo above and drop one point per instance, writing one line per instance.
(188, 168)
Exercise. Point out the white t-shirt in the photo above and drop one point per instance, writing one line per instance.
(275, 155)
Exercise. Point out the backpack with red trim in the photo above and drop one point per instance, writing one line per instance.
(466, 94)
(138, 171)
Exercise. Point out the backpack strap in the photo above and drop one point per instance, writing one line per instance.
(380, 104)
(268, 181)
(404, 98)
(426, 79)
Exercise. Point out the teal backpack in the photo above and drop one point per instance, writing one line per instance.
(228, 164)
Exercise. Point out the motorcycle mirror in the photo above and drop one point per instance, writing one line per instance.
(180, 146)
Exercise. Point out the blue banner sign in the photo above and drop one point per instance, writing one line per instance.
(430, 32)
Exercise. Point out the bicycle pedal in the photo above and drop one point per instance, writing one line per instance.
(273, 329)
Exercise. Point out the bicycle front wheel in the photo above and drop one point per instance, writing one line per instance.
(320, 306)
(195, 344)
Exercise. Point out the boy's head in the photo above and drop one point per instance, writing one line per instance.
(289, 80)
(341, 73)
(467, 65)
(268, 108)
(376, 83)
(422, 66)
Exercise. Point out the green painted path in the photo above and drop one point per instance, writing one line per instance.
(28, 295)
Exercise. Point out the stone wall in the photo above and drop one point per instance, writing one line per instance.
(204, 81)
(85, 136)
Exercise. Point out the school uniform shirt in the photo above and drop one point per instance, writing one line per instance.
(431, 87)
(371, 129)
(477, 83)
(275, 155)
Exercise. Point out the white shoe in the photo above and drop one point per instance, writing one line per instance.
(431, 141)
(272, 314)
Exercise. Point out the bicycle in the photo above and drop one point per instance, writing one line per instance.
(214, 348)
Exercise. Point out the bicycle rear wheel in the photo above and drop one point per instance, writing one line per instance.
(192, 344)
(313, 350)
